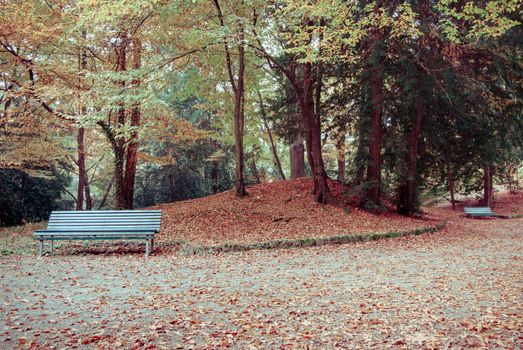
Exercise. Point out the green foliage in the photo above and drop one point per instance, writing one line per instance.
(462, 58)
(24, 198)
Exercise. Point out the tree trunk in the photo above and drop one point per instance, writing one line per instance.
(407, 190)
(374, 162)
(121, 66)
(84, 173)
(106, 194)
(172, 183)
(341, 169)
(119, 178)
(360, 158)
(487, 185)
(88, 197)
(254, 171)
(214, 169)
(297, 158)
(312, 125)
(238, 88)
(340, 150)
(450, 183)
(81, 170)
(277, 161)
(239, 121)
(132, 148)
(376, 87)
(517, 179)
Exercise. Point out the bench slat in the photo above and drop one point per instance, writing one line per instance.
(156, 218)
(101, 224)
(104, 224)
(93, 237)
(100, 229)
(478, 211)
(132, 212)
(75, 235)
(72, 217)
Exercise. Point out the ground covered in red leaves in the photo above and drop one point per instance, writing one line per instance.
(458, 288)
(279, 210)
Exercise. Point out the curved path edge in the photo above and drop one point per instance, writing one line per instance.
(189, 249)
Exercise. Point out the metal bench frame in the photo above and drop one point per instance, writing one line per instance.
(479, 212)
(101, 225)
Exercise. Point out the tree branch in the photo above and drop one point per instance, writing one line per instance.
(226, 46)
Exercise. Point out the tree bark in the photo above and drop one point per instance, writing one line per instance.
(303, 88)
(239, 120)
(106, 194)
(340, 150)
(88, 197)
(254, 171)
(81, 170)
(374, 162)
(450, 183)
(297, 158)
(121, 66)
(312, 124)
(277, 161)
(376, 87)
(238, 89)
(214, 170)
(487, 185)
(360, 158)
(407, 190)
(132, 148)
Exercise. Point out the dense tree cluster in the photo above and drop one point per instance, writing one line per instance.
(153, 101)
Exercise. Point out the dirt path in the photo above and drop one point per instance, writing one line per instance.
(462, 287)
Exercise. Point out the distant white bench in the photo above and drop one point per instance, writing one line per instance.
(479, 212)
(101, 224)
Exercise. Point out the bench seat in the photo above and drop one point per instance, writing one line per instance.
(101, 225)
(479, 212)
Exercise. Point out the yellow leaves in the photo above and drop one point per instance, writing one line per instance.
(405, 23)
(473, 22)
(159, 160)
(29, 154)
(24, 23)
(28, 142)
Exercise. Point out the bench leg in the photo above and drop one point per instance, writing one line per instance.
(41, 244)
(152, 245)
(147, 247)
(52, 246)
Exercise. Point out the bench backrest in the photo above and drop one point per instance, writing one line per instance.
(478, 211)
(105, 219)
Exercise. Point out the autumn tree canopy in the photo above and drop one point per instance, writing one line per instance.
(141, 102)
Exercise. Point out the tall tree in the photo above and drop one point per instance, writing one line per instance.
(263, 113)
(301, 75)
(132, 147)
(238, 86)
(376, 57)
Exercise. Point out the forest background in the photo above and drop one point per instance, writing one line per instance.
(126, 104)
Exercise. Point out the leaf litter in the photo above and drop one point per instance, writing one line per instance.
(457, 288)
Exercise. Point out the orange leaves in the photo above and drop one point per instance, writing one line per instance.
(273, 211)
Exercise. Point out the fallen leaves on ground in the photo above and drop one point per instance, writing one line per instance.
(457, 288)
(279, 210)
